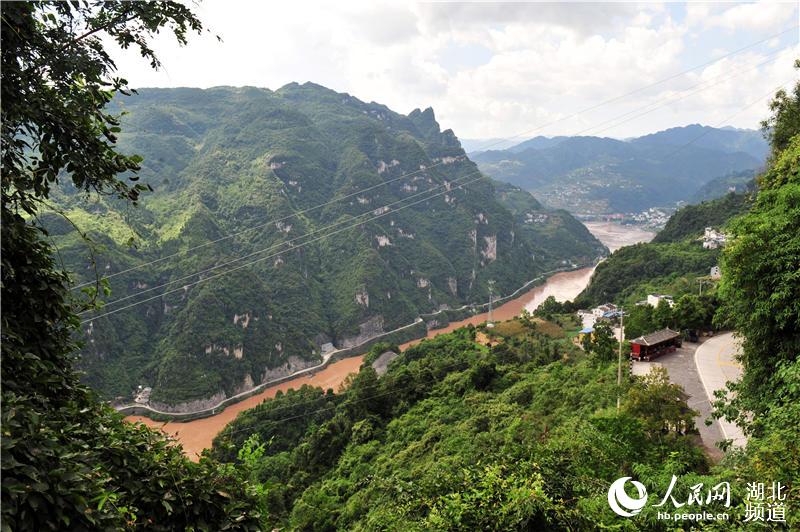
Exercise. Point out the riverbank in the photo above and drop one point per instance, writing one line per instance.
(198, 434)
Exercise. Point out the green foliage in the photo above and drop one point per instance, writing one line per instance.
(784, 123)
(602, 343)
(68, 461)
(639, 321)
(761, 287)
(550, 308)
(457, 437)
(632, 272)
(660, 405)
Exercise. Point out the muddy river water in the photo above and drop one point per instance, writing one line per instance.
(197, 435)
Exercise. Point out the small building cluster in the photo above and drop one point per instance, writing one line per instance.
(607, 312)
(713, 239)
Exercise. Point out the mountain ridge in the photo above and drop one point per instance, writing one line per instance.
(589, 174)
(221, 160)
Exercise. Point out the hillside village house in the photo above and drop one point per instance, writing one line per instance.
(713, 239)
(715, 273)
(654, 299)
(599, 312)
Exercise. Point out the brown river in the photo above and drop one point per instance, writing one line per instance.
(197, 435)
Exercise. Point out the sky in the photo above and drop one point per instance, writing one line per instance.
(501, 70)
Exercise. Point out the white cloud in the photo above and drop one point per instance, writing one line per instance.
(489, 70)
(760, 16)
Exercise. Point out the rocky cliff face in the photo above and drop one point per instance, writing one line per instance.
(266, 176)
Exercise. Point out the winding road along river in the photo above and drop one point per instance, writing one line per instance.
(197, 435)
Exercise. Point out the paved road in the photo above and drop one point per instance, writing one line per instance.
(716, 365)
(682, 370)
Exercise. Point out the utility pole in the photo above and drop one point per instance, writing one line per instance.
(619, 355)
(701, 281)
(489, 322)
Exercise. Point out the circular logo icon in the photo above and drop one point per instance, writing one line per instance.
(621, 502)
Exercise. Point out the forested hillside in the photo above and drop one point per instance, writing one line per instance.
(598, 175)
(690, 222)
(244, 175)
(738, 182)
(458, 436)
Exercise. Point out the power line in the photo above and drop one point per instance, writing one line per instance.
(687, 95)
(729, 118)
(460, 186)
(349, 221)
(265, 224)
(459, 158)
(280, 244)
(721, 79)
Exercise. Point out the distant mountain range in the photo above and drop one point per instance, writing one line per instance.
(293, 164)
(599, 175)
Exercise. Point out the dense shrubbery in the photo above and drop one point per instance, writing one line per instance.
(690, 312)
(458, 436)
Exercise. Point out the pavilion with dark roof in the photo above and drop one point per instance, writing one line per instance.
(655, 344)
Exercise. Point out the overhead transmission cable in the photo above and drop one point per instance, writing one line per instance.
(331, 407)
(398, 201)
(718, 79)
(460, 157)
(281, 244)
(684, 96)
(640, 89)
(220, 274)
(704, 85)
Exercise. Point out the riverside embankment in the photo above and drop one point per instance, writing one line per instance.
(198, 434)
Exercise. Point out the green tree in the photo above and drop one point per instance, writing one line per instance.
(662, 315)
(548, 308)
(659, 404)
(689, 312)
(639, 321)
(604, 345)
(785, 120)
(69, 462)
(761, 287)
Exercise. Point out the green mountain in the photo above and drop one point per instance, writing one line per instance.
(598, 175)
(291, 166)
